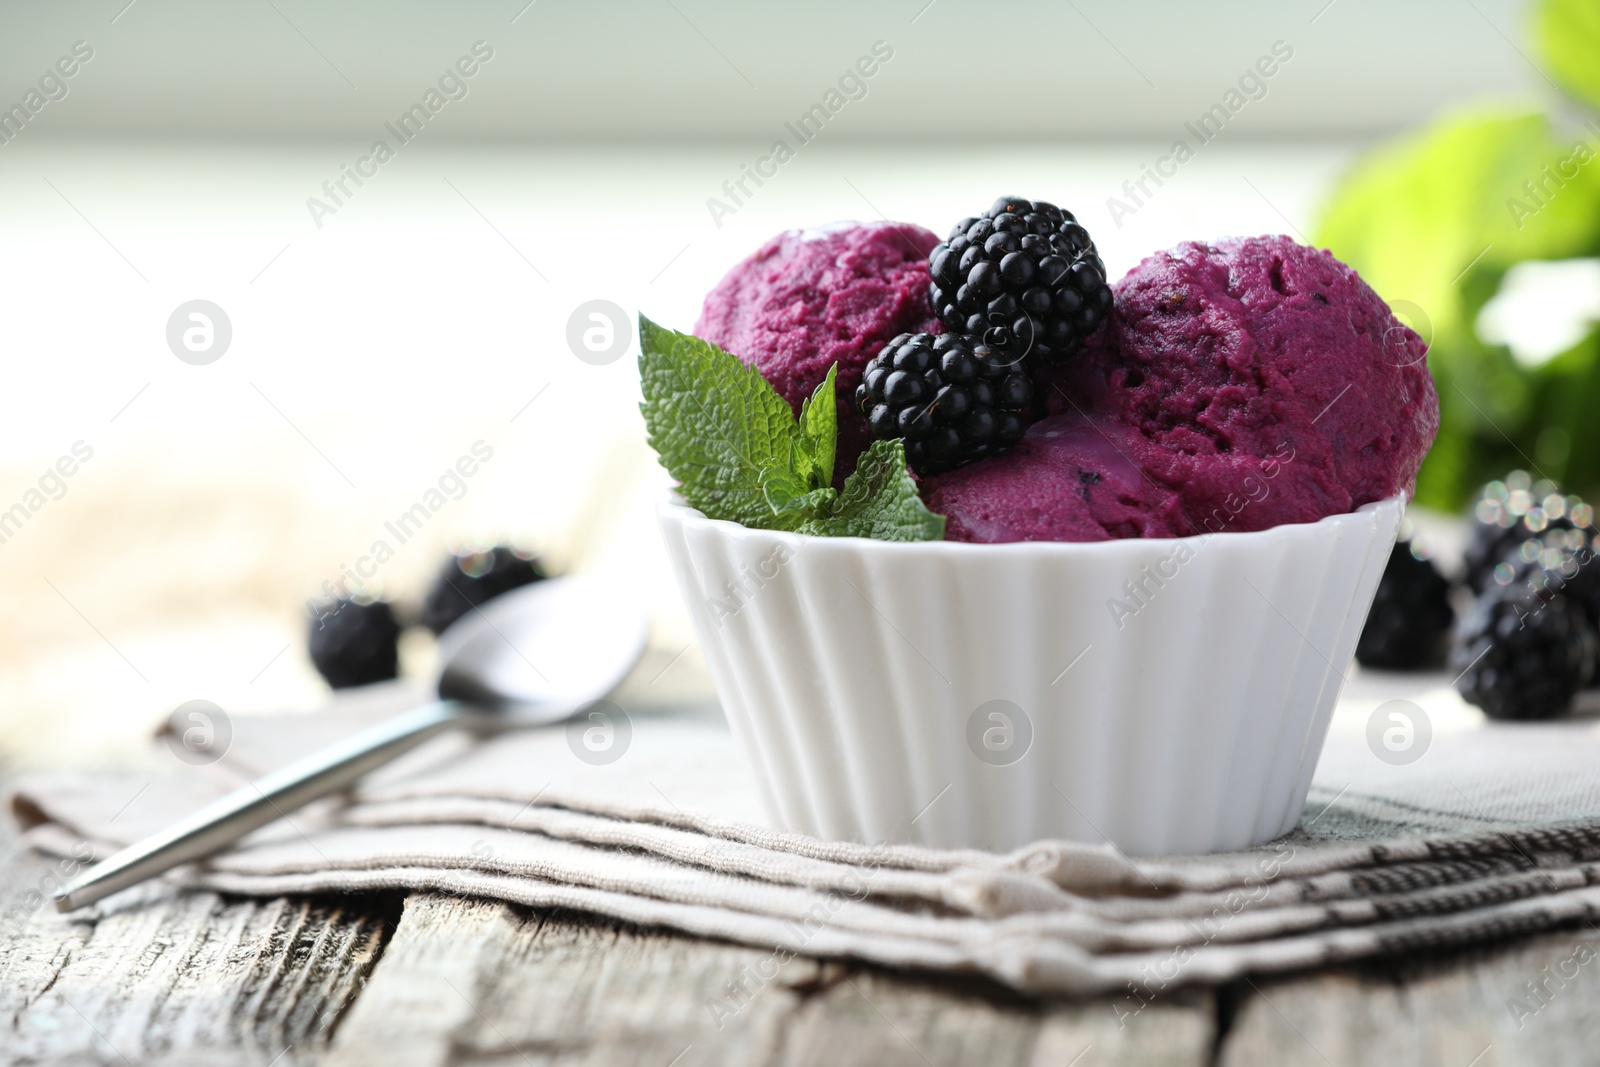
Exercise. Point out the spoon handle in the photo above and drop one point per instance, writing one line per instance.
(268, 798)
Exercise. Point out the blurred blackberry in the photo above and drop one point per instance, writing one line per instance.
(1024, 278)
(355, 642)
(469, 579)
(1563, 560)
(1512, 511)
(952, 400)
(1523, 653)
(1408, 628)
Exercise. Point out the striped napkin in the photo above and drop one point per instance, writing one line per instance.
(1435, 829)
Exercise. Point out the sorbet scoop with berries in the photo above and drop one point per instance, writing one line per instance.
(809, 299)
(1225, 386)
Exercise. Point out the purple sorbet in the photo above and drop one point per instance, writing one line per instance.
(808, 299)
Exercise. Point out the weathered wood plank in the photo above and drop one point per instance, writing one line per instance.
(870, 1018)
(191, 978)
(420, 999)
(1534, 1002)
(473, 983)
(1175, 1034)
(873, 1018)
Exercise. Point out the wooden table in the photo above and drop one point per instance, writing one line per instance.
(428, 979)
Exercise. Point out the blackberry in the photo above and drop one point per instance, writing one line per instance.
(952, 400)
(354, 642)
(471, 578)
(1515, 510)
(1024, 277)
(1523, 653)
(1561, 560)
(1408, 627)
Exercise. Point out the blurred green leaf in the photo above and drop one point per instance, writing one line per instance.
(1415, 215)
(1567, 33)
(1565, 446)
(1433, 222)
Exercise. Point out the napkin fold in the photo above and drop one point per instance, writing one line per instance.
(1494, 830)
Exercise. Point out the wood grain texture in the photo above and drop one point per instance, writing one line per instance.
(476, 983)
(165, 978)
(1534, 1002)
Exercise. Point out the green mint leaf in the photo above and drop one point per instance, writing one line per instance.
(791, 504)
(819, 432)
(716, 423)
(739, 454)
(879, 501)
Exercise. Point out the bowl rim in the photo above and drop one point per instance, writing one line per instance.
(674, 509)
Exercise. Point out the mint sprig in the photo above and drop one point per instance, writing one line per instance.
(739, 453)
(879, 500)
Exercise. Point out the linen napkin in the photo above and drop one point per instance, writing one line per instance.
(1468, 832)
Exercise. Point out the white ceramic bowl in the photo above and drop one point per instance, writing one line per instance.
(1170, 696)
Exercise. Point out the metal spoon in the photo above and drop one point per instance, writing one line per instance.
(530, 657)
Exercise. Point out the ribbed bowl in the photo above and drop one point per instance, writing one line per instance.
(1170, 696)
